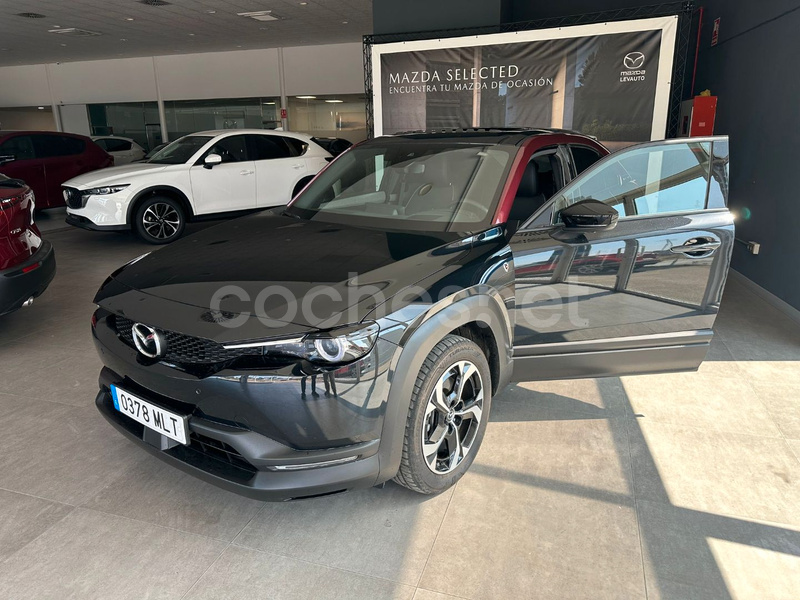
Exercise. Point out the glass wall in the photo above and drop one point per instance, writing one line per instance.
(190, 116)
(136, 120)
(343, 116)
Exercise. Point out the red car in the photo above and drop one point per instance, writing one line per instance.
(46, 159)
(27, 262)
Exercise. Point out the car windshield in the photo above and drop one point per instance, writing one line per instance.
(181, 150)
(410, 185)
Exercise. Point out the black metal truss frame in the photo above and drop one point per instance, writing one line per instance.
(683, 9)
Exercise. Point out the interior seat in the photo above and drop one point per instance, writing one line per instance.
(529, 196)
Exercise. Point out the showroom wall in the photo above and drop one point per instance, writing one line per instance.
(32, 118)
(755, 76)
(318, 70)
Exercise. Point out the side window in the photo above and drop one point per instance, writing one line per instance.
(102, 143)
(583, 157)
(653, 179)
(113, 145)
(298, 147)
(49, 146)
(19, 147)
(231, 149)
(269, 147)
(73, 145)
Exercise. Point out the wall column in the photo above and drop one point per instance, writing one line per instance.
(162, 113)
(282, 82)
(53, 103)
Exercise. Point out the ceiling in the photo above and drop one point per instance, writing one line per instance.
(135, 28)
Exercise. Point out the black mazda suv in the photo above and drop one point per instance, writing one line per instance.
(360, 333)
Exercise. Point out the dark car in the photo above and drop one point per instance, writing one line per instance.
(45, 160)
(27, 262)
(360, 333)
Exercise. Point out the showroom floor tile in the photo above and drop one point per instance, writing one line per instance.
(666, 486)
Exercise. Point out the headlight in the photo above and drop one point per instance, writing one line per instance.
(104, 191)
(337, 346)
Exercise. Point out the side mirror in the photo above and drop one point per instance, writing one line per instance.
(589, 214)
(211, 160)
(7, 158)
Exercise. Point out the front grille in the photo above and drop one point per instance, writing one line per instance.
(185, 349)
(73, 197)
(219, 450)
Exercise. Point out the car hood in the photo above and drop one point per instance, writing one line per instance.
(286, 270)
(111, 175)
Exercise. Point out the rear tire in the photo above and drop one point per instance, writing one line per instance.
(447, 417)
(159, 220)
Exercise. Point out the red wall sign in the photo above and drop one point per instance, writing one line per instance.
(283, 113)
(715, 32)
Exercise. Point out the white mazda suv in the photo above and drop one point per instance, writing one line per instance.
(204, 174)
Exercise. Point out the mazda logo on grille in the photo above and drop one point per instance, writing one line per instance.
(148, 341)
(633, 60)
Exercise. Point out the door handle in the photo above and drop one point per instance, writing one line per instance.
(299, 166)
(246, 172)
(697, 248)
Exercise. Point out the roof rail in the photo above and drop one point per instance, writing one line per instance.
(531, 130)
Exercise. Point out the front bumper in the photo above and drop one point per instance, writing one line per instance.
(20, 282)
(217, 462)
(266, 435)
(101, 213)
(84, 223)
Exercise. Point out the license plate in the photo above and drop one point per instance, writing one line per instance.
(174, 426)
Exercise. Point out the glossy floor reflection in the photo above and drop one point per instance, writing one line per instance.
(664, 486)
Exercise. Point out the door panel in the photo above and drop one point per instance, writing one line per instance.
(63, 157)
(654, 281)
(277, 169)
(23, 164)
(228, 186)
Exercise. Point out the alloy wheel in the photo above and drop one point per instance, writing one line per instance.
(161, 220)
(452, 417)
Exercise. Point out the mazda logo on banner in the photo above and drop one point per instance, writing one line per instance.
(633, 60)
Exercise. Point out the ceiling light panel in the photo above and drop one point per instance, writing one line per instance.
(260, 15)
(74, 31)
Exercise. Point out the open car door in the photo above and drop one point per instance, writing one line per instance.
(623, 270)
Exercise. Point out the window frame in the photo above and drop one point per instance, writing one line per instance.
(536, 221)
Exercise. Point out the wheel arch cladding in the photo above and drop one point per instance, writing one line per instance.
(481, 317)
(167, 191)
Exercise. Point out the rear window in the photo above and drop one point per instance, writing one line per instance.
(48, 146)
(299, 147)
(113, 145)
(269, 147)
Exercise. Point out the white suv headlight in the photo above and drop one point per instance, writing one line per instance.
(104, 191)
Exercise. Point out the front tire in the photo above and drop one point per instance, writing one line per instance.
(159, 220)
(447, 417)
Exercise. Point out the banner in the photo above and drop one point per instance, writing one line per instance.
(610, 80)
